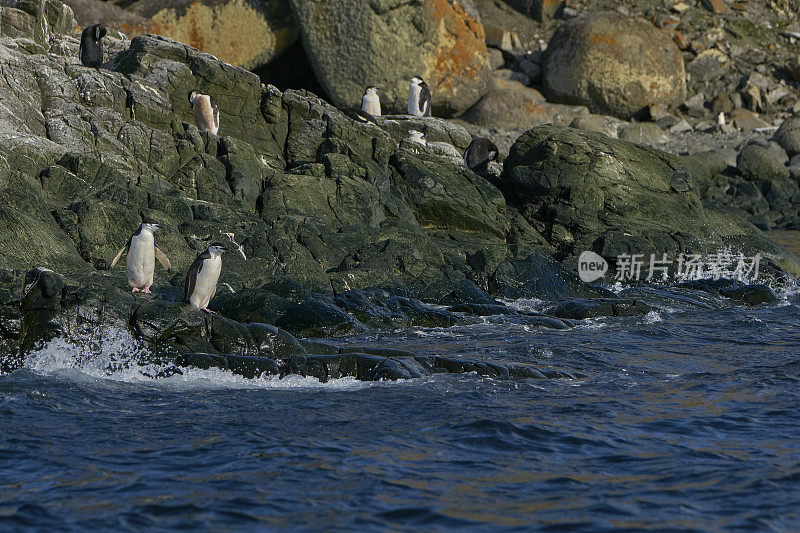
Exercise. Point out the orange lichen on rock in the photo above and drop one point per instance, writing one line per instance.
(233, 31)
(462, 48)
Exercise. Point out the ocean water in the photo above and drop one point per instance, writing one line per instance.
(685, 419)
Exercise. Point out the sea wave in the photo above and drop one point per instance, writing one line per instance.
(114, 355)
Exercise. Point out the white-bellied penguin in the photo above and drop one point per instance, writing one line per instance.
(371, 102)
(201, 280)
(142, 255)
(419, 98)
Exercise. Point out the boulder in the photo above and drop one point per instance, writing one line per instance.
(509, 105)
(600, 307)
(352, 45)
(613, 64)
(788, 135)
(585, 191)
(245, 34)
(88, 12)
(756, 161)
(641, 133)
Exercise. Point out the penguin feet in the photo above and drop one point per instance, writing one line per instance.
(135, 289)
(146, 290)
(207, 310)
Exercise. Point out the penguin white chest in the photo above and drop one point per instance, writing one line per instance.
(204, 114)
(371, 103)
(206, 283)
(414, 91)
(141, 260)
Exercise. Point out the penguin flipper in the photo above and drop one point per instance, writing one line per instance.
(191, 276)
(425, 101)
(162, 258)
(119, 255)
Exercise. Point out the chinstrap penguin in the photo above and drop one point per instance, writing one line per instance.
(91, 50)
(142, 255)
(479, 153)
(201, 280)
(206, 111)
(417, 137)
(419, 98)
(359, 115)
(371, 102)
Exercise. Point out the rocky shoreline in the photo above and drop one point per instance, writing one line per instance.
(337, 226)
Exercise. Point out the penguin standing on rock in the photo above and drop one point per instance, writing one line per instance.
(359, 115)
(201, 281)
(91, 50)
(206, 111)
(479, 153)
(419, 98)
(142, 254)
(371, 102)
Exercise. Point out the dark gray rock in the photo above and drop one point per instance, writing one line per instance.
(788, 135)
(566, 182)
(600, 307)
(756, 161)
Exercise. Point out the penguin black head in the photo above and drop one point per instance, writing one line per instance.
(192, 97)
(150, 224)
(98, 32)
(372, 89)
(217, 248)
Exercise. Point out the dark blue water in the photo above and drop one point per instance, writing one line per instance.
(687, 419)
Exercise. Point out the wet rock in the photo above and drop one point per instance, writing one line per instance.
(443, 42)
(748, 294)
(317, 318)
(367, 366)
(382, 308)
(613, 64)
(600, 307)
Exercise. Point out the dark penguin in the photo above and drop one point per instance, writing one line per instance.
(91, 52)
(419, 98)
(479, 153)
(201, 281)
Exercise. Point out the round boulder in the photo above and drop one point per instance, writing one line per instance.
(613, 64)
(788, 135)
(509, 105)
(355, 44)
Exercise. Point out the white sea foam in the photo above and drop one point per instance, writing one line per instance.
(112, 355)
(526, 305)
(653, 317)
